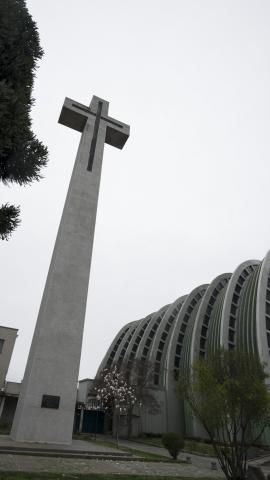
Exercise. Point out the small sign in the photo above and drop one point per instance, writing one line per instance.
(50, 401)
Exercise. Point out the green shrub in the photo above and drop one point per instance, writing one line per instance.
(174, 443)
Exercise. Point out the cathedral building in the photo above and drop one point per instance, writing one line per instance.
(233, 311)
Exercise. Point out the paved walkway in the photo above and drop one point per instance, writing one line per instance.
(197, 460)
(200, 466)
(18, 463)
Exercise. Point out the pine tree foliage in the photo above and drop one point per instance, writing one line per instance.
(9, 220)
(22, 155)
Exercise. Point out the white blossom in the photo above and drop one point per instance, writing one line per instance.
(114, 393)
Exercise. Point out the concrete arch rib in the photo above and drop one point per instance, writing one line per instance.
(110, 354)
(185, 320)
(125, 342)
(263, 314)
(246, 335)
(232, 302)
(161, 340)
(204, 317)
(174, 410)
(144, 348)
(136, 339)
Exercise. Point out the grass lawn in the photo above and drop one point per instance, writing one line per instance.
(191, 446)
(62, 476)
(134, 451)
(199, 447)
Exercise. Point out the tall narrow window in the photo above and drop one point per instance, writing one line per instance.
(2, 341)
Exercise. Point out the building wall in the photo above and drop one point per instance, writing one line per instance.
(7, 341)
(155, 423)
(83, 389)
(8, 403)
(8, 408)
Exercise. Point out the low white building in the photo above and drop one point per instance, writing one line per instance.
(9, 391)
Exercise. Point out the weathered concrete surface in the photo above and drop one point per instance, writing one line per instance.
(54, 358)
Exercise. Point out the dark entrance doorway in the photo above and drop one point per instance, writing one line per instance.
(93, 421)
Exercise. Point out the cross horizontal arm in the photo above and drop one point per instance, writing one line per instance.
(72, 118)
(75, 115)
(117, 136)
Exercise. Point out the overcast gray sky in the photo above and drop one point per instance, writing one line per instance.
(188, 197)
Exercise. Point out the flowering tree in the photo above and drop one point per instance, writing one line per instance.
(137, 376)
(140, 374)
(115, 394)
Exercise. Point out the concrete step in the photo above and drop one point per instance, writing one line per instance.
(36, 448)
(42, 452)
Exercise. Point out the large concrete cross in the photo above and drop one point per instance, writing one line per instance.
(45, 410)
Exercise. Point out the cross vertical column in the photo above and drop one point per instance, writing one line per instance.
(101, 108)
(45, 411)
